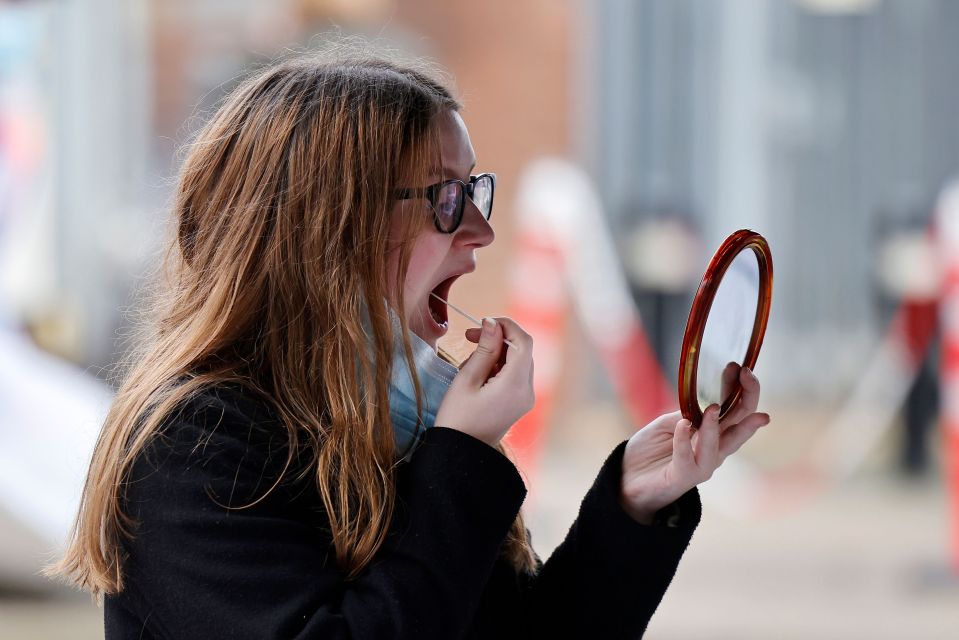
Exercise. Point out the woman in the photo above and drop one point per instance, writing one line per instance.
(290, 458)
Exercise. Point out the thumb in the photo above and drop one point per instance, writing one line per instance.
(479, 365)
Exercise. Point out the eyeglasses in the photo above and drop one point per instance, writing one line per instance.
(448, 199)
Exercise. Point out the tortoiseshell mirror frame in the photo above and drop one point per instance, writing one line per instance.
(742, 240)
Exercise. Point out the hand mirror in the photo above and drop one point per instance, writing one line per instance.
(726, 325)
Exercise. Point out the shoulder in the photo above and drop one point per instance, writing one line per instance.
(215, 517)
(230, 409)
(223, 442)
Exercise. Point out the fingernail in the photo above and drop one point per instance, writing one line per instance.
(489, 326)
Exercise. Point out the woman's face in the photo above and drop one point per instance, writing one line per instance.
(437, 258)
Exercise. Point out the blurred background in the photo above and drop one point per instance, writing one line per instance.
(653, 129)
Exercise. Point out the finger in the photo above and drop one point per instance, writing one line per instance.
(737, 435)
(683, 445)
(707, 450)
(729, 378)
(522, 342)
(473, 335)
(478, 367)
(668, 421)
(501, 360)
(748, 401)
(516, 362)
(673, 417)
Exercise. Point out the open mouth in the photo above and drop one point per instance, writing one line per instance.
(438, 310)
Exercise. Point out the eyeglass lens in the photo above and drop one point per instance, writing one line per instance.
(450, 201)
(483, 195)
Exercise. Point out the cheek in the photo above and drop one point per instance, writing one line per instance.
(398, 235)
(429, 252)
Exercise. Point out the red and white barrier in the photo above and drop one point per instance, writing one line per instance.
(565, 255)
(538, 302)
(948, 228)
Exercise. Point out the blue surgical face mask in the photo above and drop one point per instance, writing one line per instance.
(435, 376)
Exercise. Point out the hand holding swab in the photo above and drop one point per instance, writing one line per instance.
(466, 315)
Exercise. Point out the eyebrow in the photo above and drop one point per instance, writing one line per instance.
(445, 174)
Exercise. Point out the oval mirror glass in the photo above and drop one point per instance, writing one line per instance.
(729, 328)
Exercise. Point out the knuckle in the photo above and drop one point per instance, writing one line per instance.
(485, 349)
(521, 333)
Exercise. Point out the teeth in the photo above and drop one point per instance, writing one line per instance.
(436, 318)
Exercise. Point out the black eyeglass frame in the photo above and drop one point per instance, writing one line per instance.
(466, 191)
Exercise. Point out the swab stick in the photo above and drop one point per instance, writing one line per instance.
(466, 315)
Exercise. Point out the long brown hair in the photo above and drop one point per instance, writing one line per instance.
(280, 240)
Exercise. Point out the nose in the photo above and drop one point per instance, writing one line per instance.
(474, 230)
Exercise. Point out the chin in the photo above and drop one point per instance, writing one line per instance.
(426, 336)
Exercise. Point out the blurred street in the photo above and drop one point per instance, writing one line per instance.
(862, 562)
(629, 139)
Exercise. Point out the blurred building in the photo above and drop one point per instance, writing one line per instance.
(123, 85)
(823, 124)
(799, 119)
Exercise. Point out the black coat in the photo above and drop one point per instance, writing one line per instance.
(197, 569)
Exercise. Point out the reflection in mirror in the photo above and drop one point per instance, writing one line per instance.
(729, 328)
